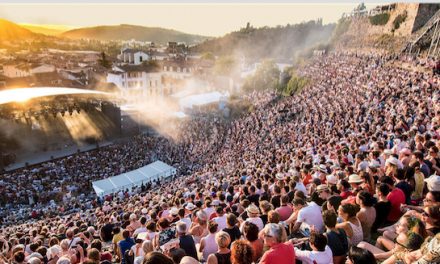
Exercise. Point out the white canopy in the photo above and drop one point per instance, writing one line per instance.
(153, 171)
(201, 99)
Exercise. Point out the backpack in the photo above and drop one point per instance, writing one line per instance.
(129, 256)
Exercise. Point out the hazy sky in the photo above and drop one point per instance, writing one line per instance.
(204, 19)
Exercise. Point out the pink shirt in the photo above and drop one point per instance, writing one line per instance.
(282, 253)
(285, 212)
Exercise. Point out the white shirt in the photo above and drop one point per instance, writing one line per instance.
(221, 221)
(139, 252)
(210, 246)
(187, 222)
(73, 243)
(254, 220)
(321, 257)
(311, 215)
(209, 211)
(139, 230)
(300, 187)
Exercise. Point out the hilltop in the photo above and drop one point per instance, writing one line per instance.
(46, 29)
(128, 32)
(11, 31)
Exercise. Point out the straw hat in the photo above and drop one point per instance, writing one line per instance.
(279, 176)
(174, 211)
(332, 179)
(252, 209)
(323, 187)
(354, 178)
(190, 206)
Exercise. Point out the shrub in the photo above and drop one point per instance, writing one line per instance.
(295, 85)
(399, 20)
(266, 77)
(342, 27)
(379, 19)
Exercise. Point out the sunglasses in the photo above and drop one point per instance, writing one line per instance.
(400, 244)
(425, 214)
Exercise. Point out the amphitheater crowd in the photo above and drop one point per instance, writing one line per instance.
(344, 171)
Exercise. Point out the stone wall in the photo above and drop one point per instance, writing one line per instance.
(361, 34)
(424, 13)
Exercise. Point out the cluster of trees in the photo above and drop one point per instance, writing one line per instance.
(268, 77)
(379, 19)
(279, 43)
(399, 20)
(295, 84)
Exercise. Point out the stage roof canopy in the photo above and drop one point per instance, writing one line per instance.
(201, 99)
(153, 171)
(24, 94)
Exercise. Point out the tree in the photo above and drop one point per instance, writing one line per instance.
(360, 7)
(225, 65)
(295, 85)
(266, 77)
(104, 62)
(208, 56)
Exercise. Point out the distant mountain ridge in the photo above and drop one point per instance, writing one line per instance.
(46, 30)
(127, 32)
(10, 31)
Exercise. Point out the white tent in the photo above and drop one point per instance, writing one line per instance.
(201, 99)
(153, 171)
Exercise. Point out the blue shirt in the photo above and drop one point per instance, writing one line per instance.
(125, 245)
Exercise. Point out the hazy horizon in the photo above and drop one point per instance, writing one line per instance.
(202, 19)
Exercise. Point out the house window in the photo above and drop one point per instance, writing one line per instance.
(140, 58)
(150, 83)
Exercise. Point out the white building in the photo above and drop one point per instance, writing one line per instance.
(26, 69)
(132, 56)
(136, 81)
(144, 80)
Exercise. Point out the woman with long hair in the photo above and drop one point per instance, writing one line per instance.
(367, 214)
(431, 218)
(385, 248)
(351, 225)
(432, 198)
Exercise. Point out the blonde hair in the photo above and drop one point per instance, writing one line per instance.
(147, 246)
(223, 239)
(64, 244)
(391, 170)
